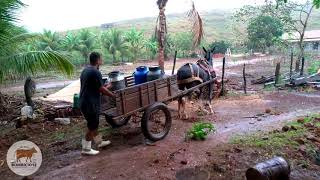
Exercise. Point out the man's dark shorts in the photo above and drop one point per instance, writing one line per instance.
(92, 117)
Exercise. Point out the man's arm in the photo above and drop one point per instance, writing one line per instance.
(105, 91)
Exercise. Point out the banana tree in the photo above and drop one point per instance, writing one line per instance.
(161, 29)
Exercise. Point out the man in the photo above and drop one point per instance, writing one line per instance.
(91, 88)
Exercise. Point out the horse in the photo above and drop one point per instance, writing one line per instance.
(192, 74)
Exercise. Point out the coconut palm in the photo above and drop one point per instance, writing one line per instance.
(161, 29)
(14, 59)
(113, 41)
(135, 41)
(49, 40)
(87, 43)
(70, 42)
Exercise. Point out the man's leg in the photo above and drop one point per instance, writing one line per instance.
(92, 131)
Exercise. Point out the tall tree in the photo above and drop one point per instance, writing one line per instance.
(161, 31)
(300, 24)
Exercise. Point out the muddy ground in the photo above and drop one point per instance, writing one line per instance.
(129, 157)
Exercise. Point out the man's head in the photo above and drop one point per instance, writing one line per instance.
(95, 59)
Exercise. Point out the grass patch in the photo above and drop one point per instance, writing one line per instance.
(273, 140)
(58, 136)
(278, 140)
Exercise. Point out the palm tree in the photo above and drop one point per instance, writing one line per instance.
(14, 59)
(70, 42)
(49, 40)
(114, 43)
(135, 42)
(87, 43)
(161, 29)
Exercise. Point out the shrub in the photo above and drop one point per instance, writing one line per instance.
(200, 131)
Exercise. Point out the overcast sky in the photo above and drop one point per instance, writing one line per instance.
(60, 15)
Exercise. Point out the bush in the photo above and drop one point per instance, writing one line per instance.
(200, 131)
(314, 67)
(220, 46)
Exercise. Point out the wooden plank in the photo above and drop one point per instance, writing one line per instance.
(123, 104)
(140, 96)
(155, 91)
(169, 86)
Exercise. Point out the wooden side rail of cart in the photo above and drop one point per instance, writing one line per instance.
(149, 98)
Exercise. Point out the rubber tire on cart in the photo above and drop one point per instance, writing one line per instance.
(145, 119)
(117, 123)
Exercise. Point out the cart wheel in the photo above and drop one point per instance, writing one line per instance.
(156, 122)
(117, 123)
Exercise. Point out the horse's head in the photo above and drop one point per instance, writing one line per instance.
(208, 54)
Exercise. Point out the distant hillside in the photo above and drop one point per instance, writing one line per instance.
(217, 24)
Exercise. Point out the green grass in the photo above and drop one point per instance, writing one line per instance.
(278, 140)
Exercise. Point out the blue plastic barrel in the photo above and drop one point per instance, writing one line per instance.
(140, 75)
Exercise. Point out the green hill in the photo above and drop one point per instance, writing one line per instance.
(217, 24)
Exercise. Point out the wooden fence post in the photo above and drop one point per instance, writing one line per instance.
(223, 69)
(277, 74)
(174, 62)
(244, 79)
(302, 67)
(291, 64)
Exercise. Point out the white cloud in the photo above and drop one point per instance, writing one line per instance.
(62, 15)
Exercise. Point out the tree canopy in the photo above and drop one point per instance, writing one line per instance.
(263, 31)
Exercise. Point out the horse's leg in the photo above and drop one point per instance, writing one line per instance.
(179, 107)
(183, 111)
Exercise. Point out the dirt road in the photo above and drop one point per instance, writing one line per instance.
(132, 159)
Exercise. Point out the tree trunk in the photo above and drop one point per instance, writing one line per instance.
(113, 58)
(3, 103)
(161, 58)
(297, 65)
(162, 38)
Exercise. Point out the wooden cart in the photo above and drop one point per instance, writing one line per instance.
(149, 98)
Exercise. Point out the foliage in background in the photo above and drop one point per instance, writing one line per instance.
(135, 40)
(263, 32)
(200, 131)
(220, 46)
(182, 42)
(314, 67)
(113, 41)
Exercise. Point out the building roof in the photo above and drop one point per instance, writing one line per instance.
(313, 35)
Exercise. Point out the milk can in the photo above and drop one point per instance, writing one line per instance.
(117, 80)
